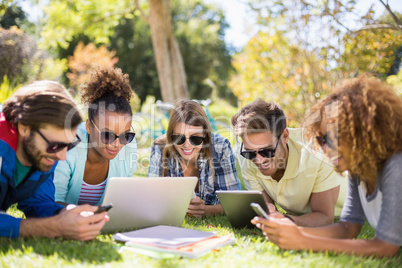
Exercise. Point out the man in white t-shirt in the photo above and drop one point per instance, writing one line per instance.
(273, 159)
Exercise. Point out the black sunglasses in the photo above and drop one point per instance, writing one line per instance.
(266, 152)
(109, 137)
(325, 140)
(54, 147)
(180, 139)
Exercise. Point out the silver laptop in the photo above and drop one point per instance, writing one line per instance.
(144, 202)
(236, 205)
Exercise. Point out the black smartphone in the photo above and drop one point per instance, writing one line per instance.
(103, 208)
(258, 209)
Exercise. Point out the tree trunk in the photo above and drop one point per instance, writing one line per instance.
(169, 62)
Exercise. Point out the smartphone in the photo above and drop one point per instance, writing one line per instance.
(104, 208)
(258, 209)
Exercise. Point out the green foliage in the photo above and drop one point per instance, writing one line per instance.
(13, 15)
(335, 30)
(4, 4)
(386, 18)
(22, 62)
(95, 19)
(199, 29)
(273, 69)
(305, 48)
(16, 52)
(376, 51)
(221, 110)
(48, 68)
(133, 45)
(396, 81)
(371, 51)
(6, 90)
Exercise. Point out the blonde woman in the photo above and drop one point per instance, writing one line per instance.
(190, 149)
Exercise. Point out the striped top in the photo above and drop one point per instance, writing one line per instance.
(91, 194)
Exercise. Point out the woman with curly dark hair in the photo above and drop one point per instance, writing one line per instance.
(359, 127)
(108, 147)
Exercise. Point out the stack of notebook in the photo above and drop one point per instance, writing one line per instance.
(169, 240)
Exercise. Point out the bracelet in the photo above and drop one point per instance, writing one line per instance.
(287, 216)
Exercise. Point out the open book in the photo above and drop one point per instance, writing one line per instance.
(173, 240)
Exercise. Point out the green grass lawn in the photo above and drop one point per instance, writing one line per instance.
(250, 250)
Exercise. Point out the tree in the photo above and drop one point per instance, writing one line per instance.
(98, 19)
(198, 28)
(327, 49)
(16, 52)
(22, 61)
(169, 61)
(12, 16)
(17, 49)
(337, 31)
(4, 4)
(331, 13)
(133, 45)
(272, 68)
(373, 51)
(394, 24)
(396, 81)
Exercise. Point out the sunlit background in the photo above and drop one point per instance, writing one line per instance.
(292, 52)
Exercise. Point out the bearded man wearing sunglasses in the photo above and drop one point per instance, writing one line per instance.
(37, 127)
(274, 160)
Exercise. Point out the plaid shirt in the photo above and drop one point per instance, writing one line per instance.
(224, 165)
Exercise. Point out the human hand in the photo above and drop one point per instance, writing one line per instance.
(271, 208)
(80, 222)
(273, 212)
(281, 231)
(196, 207)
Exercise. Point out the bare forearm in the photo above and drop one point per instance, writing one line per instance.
(287, 236)
(77, 223)
(267, 198)
(213, 210)
(374, 247)
(44, 227)
(341, 230)
(313, 219)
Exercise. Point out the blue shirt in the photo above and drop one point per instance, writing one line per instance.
(34, 195)
(69, 174)
(223, 162)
